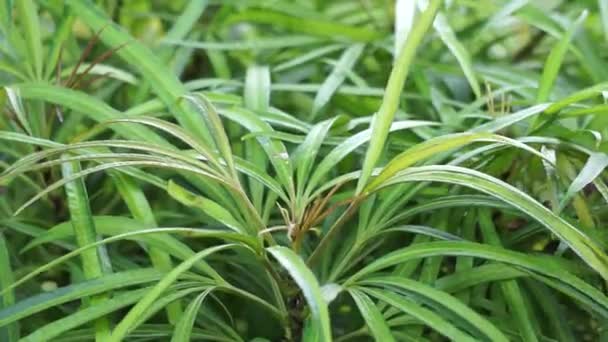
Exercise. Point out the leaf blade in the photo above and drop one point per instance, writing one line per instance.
(309, 285)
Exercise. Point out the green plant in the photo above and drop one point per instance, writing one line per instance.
(303, 170)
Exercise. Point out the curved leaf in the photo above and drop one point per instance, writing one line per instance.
(309, 285)
(46, 300)
(384, 118)
(546, 267)
(442, 299)
(183, 328)
(130, 321)
(427, 316)
(372, 315)
(580, 243)
(435, 146)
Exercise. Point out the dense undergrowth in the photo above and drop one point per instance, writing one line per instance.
(248, 170)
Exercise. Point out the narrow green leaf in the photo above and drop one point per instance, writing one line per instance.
(405, 11)
(275, 150)
(204, 106)
(168, 298)
(46, 300)
(138, 205)
(580, 243)
(343, 89)
(83, 316)
(309, 285)
(510, 288)
(373, 317)
(13, 70)
(448, 37)
(555, 313)
(346, 62)
(545, 269)
(117, 225)
(596, 163)
(306, 152)
(186, 254)
(28, 15)
(84, 230)
(384, 117)
(603, 4)
(185, 22)
(143, 161)
(257, 98)
(486, 273)
(22, 138)
(508, 120)
(505, 11)
(435, 146)
(209, 207)
(174, 130)
(6, 15)
(442, 203)
(421, 230)
(88, 105)
(555, 59)
(130, 321)
(443, 300)
(578, 96)
(427, 316)
(60, 326)
(90, 151)
(279, 42)
(309, 56)
(14, 98)
(183, 329)
(104, 70)
(257, 88)
(310, 26)
(599, 109)
(8, 332)
(59, 38)
(255, 172)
